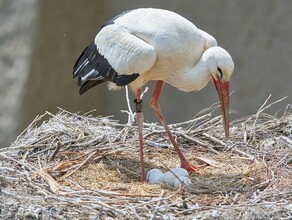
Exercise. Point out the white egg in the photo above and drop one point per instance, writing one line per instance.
(180, 172)
(168, 178)
(184, 179)
(153, 176)
(156, 176)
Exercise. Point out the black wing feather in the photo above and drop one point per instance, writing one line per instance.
(92, 69)
(89, 84)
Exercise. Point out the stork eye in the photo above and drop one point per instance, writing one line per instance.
(220, 71)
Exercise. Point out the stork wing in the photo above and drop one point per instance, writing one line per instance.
(116, 56)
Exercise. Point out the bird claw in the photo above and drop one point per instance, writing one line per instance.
(192, 169)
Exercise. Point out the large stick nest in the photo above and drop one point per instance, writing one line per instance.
(80, 166)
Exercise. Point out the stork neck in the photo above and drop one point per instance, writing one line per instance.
(196, 78)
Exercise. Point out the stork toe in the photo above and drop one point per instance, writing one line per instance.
(192, 169)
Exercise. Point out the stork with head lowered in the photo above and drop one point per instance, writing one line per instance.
(147, 44)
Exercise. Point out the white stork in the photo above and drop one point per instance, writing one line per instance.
(155, 44)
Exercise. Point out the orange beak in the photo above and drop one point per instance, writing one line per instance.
(222, 88)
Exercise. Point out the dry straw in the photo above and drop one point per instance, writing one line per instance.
(80, 166)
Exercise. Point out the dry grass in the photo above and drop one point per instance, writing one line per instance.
(82, 166)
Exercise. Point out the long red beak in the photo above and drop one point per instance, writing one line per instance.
(222, 88)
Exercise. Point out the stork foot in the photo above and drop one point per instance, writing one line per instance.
(192, 169)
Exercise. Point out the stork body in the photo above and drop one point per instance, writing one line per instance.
(154, 44)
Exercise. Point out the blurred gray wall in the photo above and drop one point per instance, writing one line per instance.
(258, 35)
(16, 27)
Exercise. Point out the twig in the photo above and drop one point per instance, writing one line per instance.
(204, 127)
(158, 199)
(287, 140)
(244, 132)
(144, 92)
(54, 186)
(131, 116)
(97, 139)
(114, 209)
(158, 204)
(23, 147)
(37, 118)
(59, 145)
(262, 109)
(199, 143)
(243, 153)
(192, 121)
(79, 166)
(214, 139)
(154, 144)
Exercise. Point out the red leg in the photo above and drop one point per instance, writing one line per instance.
(156, 108)
(140, 118)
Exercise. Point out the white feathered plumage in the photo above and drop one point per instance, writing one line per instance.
(155, 44)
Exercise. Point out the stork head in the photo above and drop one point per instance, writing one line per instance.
(221, 64)
(221, 67)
